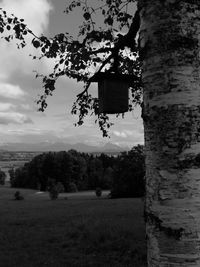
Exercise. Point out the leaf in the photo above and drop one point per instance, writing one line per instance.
(43, 49)
(86, 16)
(109, 21)
(36, 43)
(9, 20)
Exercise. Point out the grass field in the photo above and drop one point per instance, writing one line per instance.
(81, 231)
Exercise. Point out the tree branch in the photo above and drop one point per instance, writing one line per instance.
(91, 78)
(129, 39)
(124, 40)
(101, 50)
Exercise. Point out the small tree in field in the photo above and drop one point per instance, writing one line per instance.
(18, 196)
(2, 177)
(53, 189)
(98, 192)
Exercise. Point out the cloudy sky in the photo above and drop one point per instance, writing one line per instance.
(19, 119)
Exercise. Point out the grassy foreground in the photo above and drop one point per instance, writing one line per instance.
(81, 231)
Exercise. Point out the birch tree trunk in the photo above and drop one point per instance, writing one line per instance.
(170, 47)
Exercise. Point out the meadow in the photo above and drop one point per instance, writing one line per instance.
(78, 231)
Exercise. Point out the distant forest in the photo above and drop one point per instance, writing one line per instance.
(73, 171)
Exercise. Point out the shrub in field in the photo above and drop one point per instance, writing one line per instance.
(98, 192)
(18, 195)
(2, 177)
(60, 187)
(73, 188)
(53, 193)
(53, 189)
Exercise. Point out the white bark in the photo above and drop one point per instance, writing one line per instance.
(170, 46)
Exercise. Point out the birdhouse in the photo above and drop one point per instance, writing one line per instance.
(112, 92)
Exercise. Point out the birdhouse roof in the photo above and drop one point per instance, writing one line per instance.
(99, 76)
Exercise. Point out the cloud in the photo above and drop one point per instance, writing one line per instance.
(119, 134)
(20, 108)
(125, 133)
(34, 12)
(13, 117)
(11, 91)
(29, 131)
(34, 135)
(6, 106)
(129, 132)
(26, 107)
(9, 114)
(17, 63)
(36, 16)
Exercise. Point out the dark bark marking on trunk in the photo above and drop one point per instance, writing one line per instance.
(157, 222)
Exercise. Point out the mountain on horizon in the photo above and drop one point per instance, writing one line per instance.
(59, 146)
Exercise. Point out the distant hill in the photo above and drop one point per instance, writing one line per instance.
(45, 146)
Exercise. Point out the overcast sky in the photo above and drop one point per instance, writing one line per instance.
(19, 119)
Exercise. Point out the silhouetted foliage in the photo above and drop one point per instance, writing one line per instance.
(129, 172)
(53, 189)
(106, 41)
(74, 171)
(2, 177)
(98, 192)
(18, 196)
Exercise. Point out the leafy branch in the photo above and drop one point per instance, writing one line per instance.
(78, 58)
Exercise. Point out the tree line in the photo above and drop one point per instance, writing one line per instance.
(122, 175)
